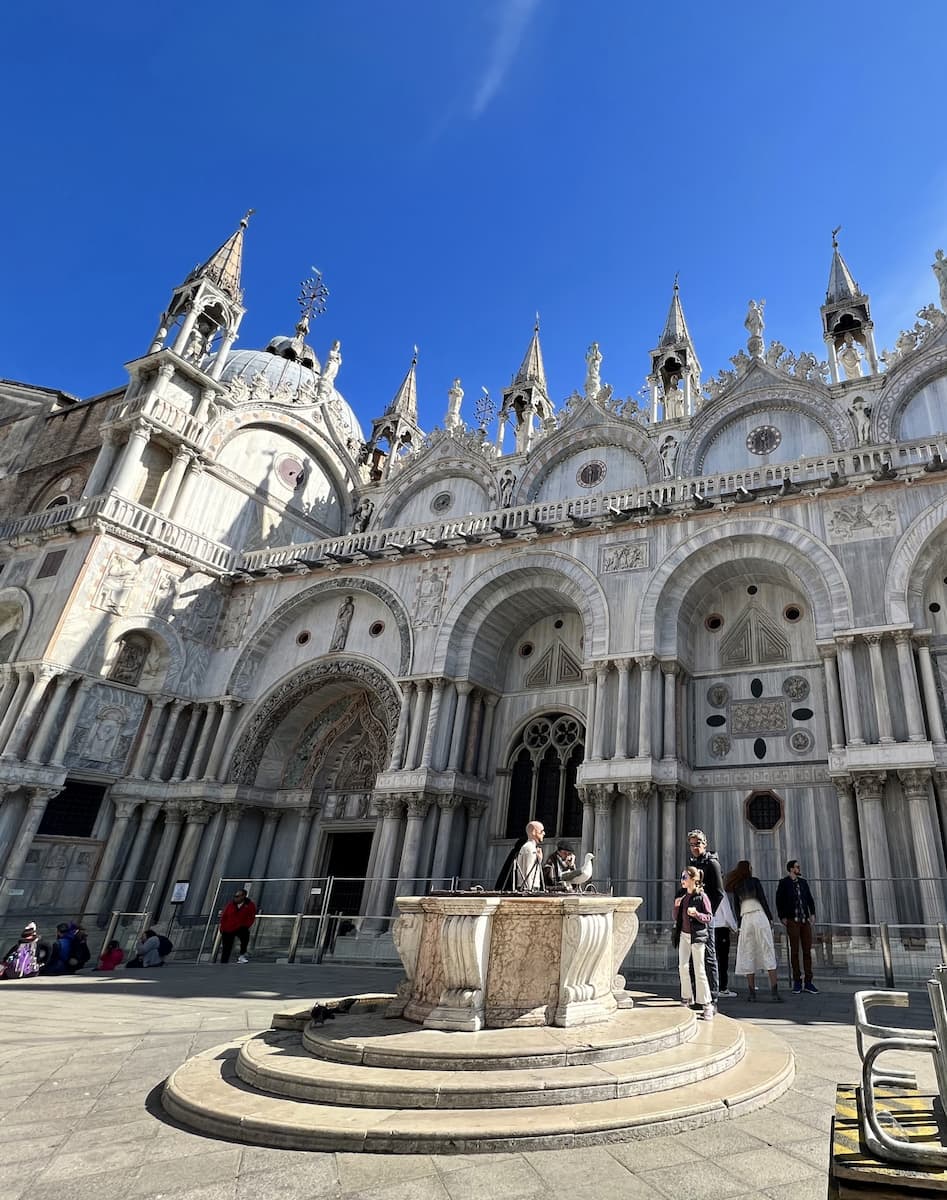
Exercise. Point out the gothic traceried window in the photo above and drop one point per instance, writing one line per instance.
(543, 766)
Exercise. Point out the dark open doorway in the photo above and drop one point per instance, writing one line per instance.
(347, 857)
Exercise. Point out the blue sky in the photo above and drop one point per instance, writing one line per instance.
(453, 167)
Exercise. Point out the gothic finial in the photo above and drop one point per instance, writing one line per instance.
(536, 326)
(835, 233)
(245, 219)
(414, 361)
(313, 295)
(676, 277)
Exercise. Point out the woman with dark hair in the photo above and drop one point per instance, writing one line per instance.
(755, 951)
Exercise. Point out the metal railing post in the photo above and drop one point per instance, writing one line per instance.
(886, 954)
(110, 930)
(942, 935)
(294, 938)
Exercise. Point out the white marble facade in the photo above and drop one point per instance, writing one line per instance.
(239, 638)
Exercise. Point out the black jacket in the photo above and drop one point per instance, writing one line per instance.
(709, 863)
(786, 898)
(750, 889)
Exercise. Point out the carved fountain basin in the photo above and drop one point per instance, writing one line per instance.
(493, 962)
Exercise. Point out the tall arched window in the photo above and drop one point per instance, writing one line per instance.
(543, 766)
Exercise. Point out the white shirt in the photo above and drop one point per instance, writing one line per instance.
(529, 868)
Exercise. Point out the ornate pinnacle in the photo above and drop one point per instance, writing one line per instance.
(484, 409)
(313, 295)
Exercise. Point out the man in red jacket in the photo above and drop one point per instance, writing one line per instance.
(235, 922)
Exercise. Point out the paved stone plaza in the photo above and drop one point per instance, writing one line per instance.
(84, 1057)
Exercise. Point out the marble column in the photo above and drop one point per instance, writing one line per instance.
(604, 799)
(669, 671)
(233, 814)
(129, 461)
(129, 872)
(57, 694)
(850, 690)
(197, 813)
(437, 696)
(833, 696)
(922, 822)
(190, 733)
(851, 856)
(623, 666)
(21, 689)
(598, 730)
(879, 688)
(145, 742)
(173, 820)
(212, 710)
(39, 798)
(9, 680)
(458, 738)
(490, 702)
(646, 666)
(670, 857)
(171, 484)
(380, 886)
(447, 805)
(216, 764)
(396, 761)
(636, 863)
(935, 719)
(909, 689)
(421, 689)
(591, 708)
(261, 858)
(105, 874)
(472, 867)
(72, 707)
(102, 468)
(588, 821)
(473, 734)
(23, 729)
(157, 767)
(183, 502)
(303, 894)
(417, 809)
(869, 789)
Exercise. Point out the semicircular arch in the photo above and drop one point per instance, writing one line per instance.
(914, 557)
(778, 543)
(16, 597)
(571, 441)
(903, 383)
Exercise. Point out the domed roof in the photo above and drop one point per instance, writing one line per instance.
(278, 371)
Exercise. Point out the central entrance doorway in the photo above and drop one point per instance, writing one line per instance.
(347, 857)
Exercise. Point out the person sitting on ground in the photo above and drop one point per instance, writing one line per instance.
(81, 953)
(26, 956)
(111, 957)
(153, 948)
(61, 949)
(755, 950)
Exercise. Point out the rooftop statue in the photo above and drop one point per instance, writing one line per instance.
(939, 267)
(593, 378)
(850, 358)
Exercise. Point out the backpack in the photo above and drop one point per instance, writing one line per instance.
(165, 945)
(21, 962)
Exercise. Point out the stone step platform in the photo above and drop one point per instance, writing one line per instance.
(277, 1063)
(368, 1039)
(208, 1094)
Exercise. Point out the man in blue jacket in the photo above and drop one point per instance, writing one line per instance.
(796, 909)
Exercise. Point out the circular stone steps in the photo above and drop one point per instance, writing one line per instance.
(276, 1063)
(711, 1071)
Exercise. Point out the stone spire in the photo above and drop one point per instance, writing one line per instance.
(224, 265)
(405, 402)
(674, 381)
(847, 327)
(527, 397)
(398, 429)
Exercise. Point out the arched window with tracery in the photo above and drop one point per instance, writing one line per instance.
(543, 766)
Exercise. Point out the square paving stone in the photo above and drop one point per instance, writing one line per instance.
(426, 1187)
(517, 1179)
(813, 1188)
(361, 1172)
(761, 1168)
(704, 1181)
(104, 1185)
(170, 1175)
(645, 1154)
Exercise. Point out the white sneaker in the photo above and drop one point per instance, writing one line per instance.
(726, 994)
(243, 958)
(708, 1013)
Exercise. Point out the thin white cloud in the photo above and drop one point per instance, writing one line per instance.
(513, 18)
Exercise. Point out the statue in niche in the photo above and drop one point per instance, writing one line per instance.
(939, 267)
(593, 379)
(330, 370)
(129, 663)
(507, 484)
(861, 415)
(454, 398)
(362, 514)
(117, 584)
(342, 622)
(667, 451)
(850, 358)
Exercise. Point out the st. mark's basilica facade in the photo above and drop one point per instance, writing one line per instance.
(243, 636)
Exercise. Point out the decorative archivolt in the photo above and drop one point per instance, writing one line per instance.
(574, 440)
(441, 464)
(912, 562)
(902, 384)
(347, 730)
(16, 612)
(166, 660)
(258, 729)
(264, 637)
(333, 457)
(715, 416)
(777, 543)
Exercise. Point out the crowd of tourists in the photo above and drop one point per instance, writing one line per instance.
(68, 952)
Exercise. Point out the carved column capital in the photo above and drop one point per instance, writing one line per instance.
(870, 785)
(873, 639)
(271, 815)
(638, 794)
(623, 664)
(915, 783)
(902, 637)
(670, 668)
(602, 797)
(843, 787)
(827, 652)
(391, 807)
(845, 640)
(124, 809)
(921, 638)
(667, 792)
(448, 803)
(476, 808)
(40, 797)
(601, 670)
(463, 687)
(174, 812)
(490, 699)
(437, 685)
(231, 703)
(417, 805)
(199, 812)
(646, 662)
(423, 686)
